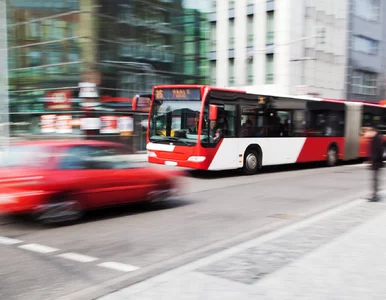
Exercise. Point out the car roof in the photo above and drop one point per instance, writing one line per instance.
(66, 143)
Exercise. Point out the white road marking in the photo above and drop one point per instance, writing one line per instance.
(8, 241)
(78, 257)
(38, 248)
(118, 266)
(358, 165)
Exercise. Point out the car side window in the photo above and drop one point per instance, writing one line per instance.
(109, 158)
(75, 158)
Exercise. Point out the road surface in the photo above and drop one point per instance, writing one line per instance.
(111, 249)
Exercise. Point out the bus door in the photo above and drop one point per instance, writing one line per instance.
(278, 130)
(227, 147)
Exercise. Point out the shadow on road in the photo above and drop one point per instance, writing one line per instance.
(131, 210)
(265, 170)
(24, 224)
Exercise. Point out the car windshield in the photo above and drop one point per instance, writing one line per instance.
(24, 156)
(175, 121)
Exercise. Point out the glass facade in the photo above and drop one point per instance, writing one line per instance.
(124, 47)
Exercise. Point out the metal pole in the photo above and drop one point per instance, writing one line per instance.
(4, 101)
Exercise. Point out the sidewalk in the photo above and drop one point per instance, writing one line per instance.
(339, 254)
(138, 157)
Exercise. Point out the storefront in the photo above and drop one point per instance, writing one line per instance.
(60, 115)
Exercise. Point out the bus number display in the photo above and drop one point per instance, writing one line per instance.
(177, 94)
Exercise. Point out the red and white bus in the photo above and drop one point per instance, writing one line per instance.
(210, 128)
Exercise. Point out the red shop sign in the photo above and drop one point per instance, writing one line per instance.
(59, 100)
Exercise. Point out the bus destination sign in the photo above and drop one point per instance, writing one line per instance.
(177, 94)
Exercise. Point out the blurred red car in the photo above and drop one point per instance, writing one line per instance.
(59, 180)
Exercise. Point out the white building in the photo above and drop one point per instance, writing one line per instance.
(285, 46)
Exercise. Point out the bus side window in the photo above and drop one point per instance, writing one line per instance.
(284, 119)
(249, 122)
(226, 120)
(299, 123)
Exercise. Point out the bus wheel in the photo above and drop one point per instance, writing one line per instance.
(251, 162)
(332, 156)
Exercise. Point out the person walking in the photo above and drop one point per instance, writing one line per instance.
(376, 161)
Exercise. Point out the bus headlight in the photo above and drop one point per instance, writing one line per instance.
(197, 158)
(151, 154)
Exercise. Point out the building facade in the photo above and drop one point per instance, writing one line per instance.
(329, 49)
(121, 47)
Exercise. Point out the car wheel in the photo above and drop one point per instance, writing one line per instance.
(251, 162)
(61, 211)
(332, 156)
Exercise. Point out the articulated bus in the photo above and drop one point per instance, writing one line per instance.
(210, 128)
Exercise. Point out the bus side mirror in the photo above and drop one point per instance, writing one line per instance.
(135, 102)
(213, 110)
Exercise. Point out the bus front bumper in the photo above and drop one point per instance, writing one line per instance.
(197, 162)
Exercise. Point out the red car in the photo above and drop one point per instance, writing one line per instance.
(58, 180)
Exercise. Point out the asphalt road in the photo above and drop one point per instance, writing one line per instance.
(113, 248)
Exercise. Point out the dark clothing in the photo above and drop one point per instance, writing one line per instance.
(375, 183)
(376, 157)
(192, 130)
(212, 132)
(376, 152)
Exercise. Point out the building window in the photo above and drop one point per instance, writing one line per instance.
(73, 4)
(366, 45)
(72, 30)
(127, 84)
(74, 59)
(250, 31)
(270, 28)
(47, 29)
(34, 30)
(269, 68)
(213, 37)
(190, 48)
(190, 67)
(364, 83)
(54, 58)
(56, 29)
(35, 57)
(231, 71)
(213, 72)
(125, 12)
(367, 9)
(250, 71)
(231, 4)
(231, 34)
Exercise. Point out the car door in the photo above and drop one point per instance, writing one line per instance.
(80, 173)
(131, 182)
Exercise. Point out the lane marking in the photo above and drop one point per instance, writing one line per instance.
(118, 266)
(78, 257)
(358, 165)
(8, 241)
(38, 248)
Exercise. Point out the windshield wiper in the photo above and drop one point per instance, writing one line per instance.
(174, 139)
(171, 139)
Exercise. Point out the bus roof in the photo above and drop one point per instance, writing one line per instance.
(252, 91)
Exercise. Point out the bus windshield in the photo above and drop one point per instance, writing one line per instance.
(175, 122)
